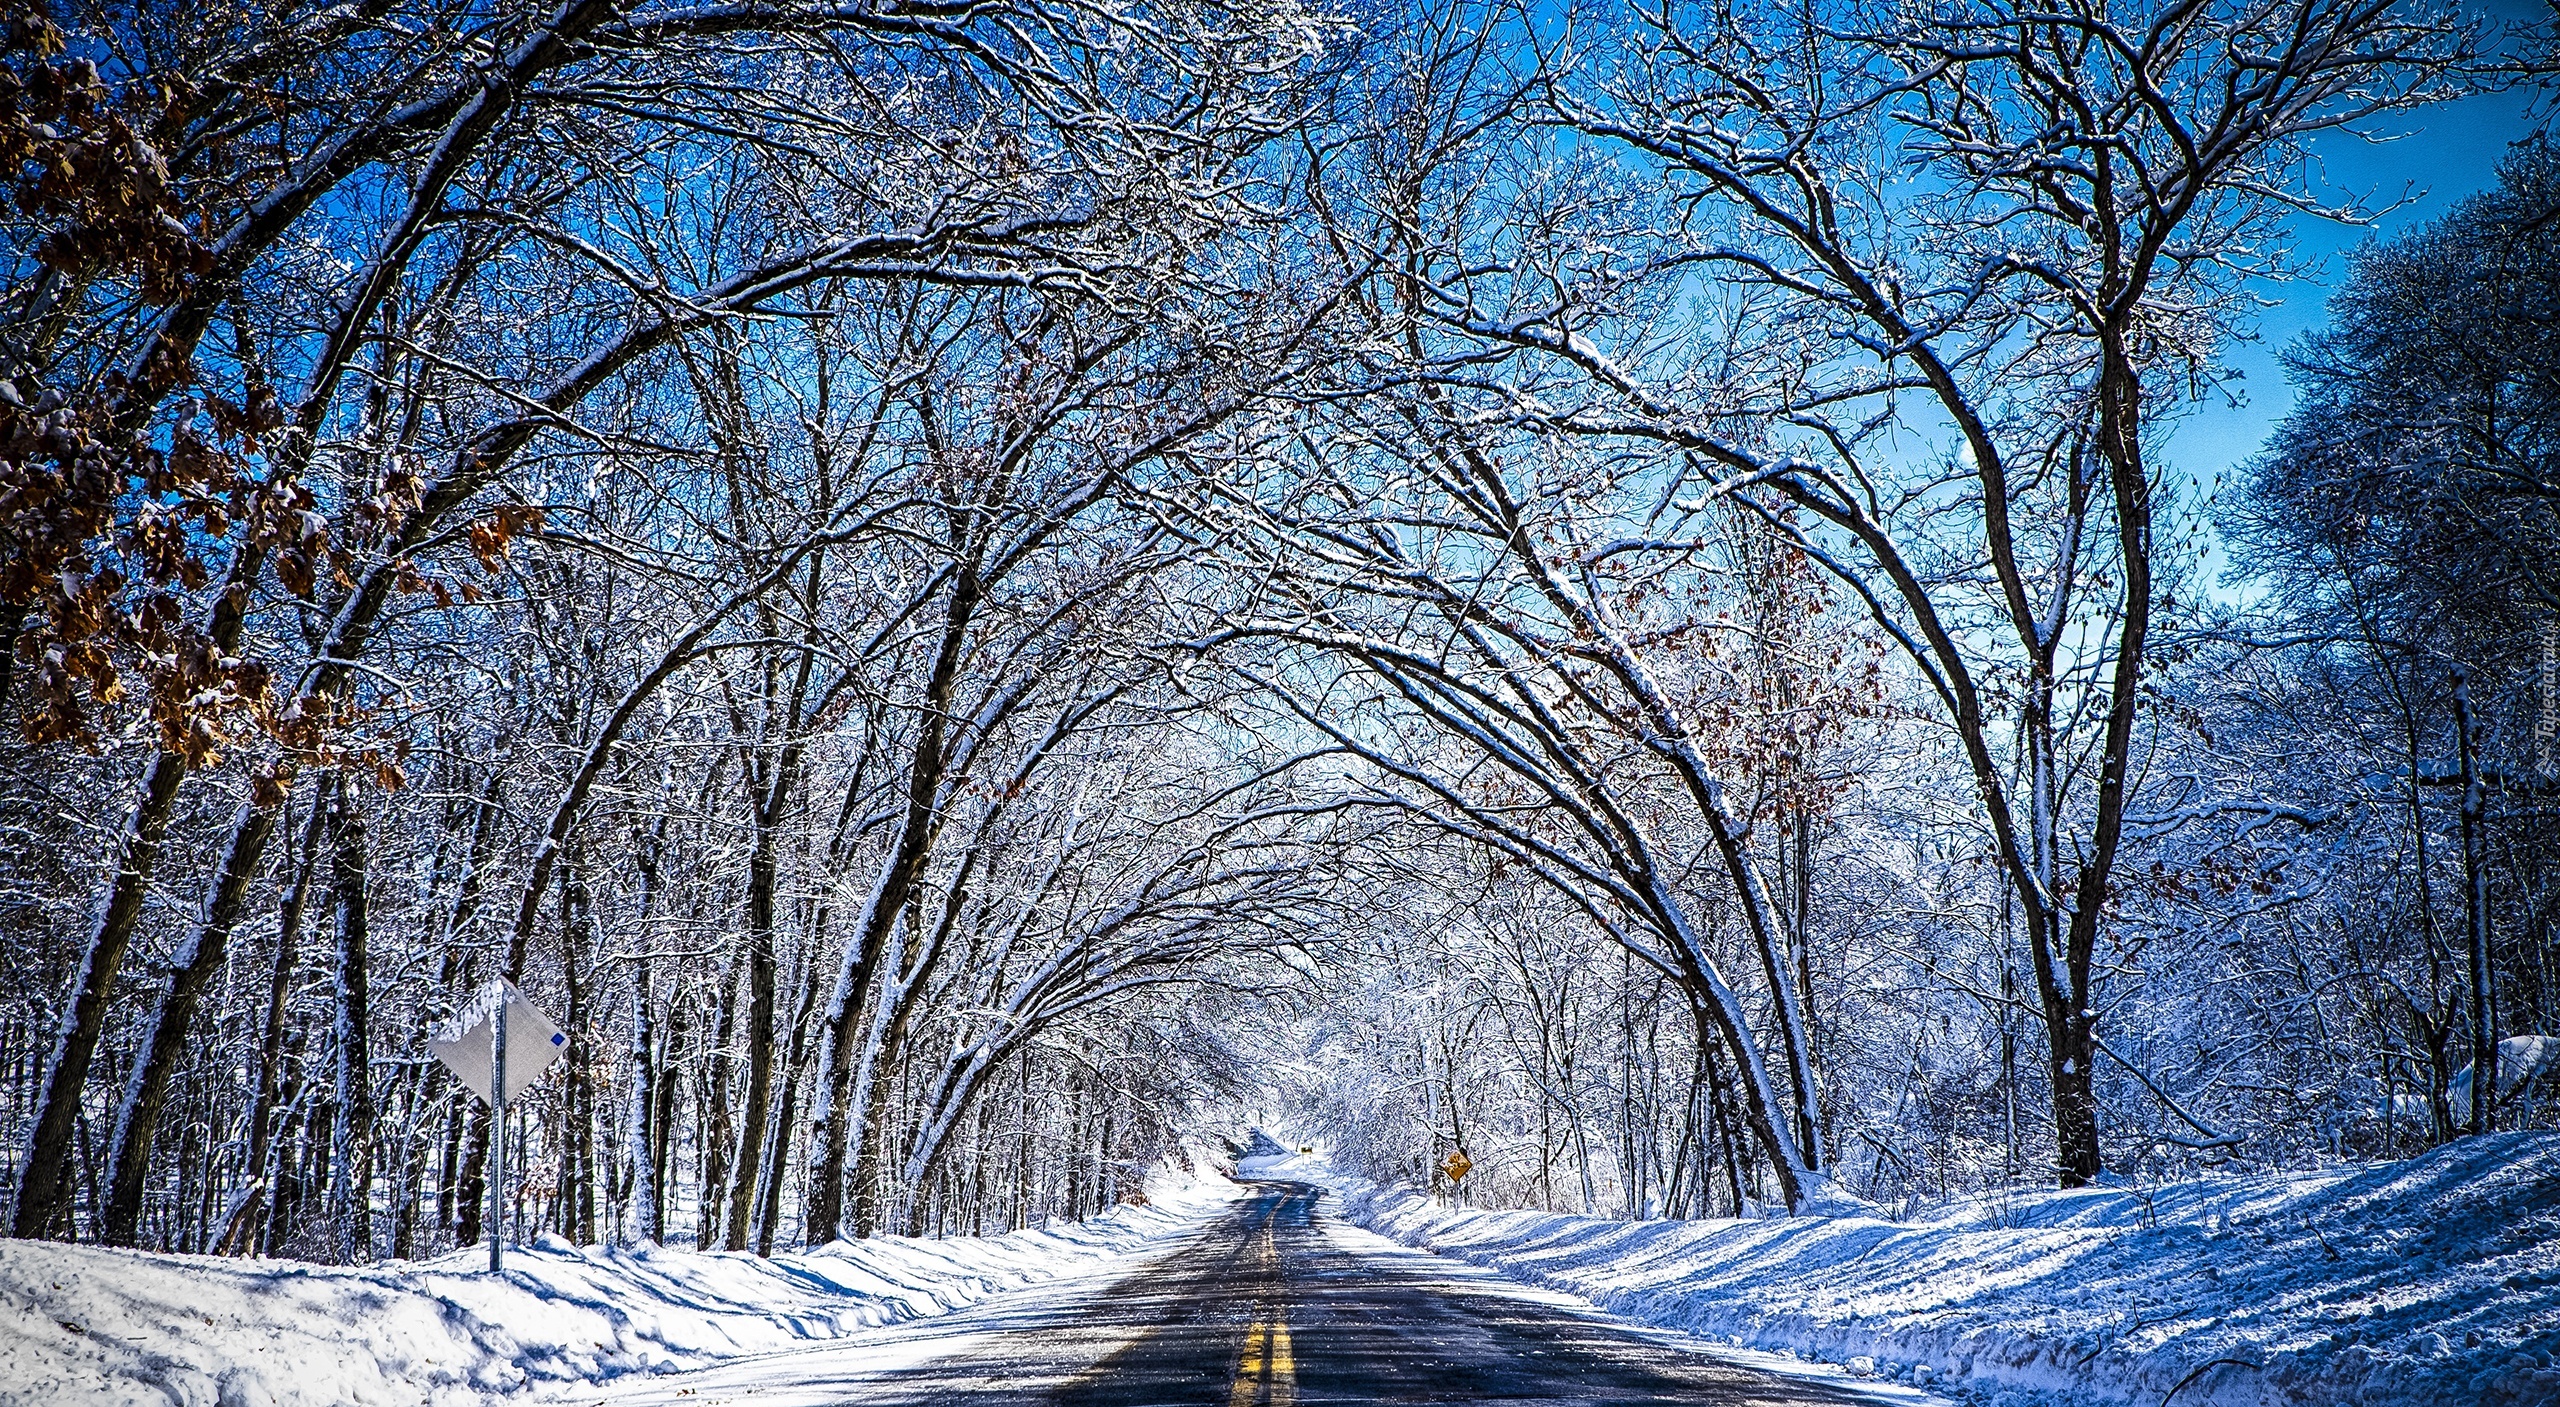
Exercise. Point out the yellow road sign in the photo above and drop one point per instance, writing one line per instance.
(1456, 1166)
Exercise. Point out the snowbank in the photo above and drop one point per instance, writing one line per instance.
(82, 1326)
(2431, 1281)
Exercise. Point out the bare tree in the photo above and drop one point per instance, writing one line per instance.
(2098, 189)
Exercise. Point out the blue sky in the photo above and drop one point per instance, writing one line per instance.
(2444, 154)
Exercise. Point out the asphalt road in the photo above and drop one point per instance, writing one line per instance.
(1263, 1309)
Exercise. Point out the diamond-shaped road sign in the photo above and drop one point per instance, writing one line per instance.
(466, 1043)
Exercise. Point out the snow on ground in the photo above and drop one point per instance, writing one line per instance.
(1478, 1279)
(848, 1369)
(2412, 1284)
(82, 1326)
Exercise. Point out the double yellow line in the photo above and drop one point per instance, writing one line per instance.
(1267, 1373)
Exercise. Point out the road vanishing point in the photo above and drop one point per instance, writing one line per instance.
(1266, 1306)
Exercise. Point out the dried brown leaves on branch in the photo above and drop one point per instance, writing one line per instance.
(121, 490)
(102, 525)
(78, 164)
(103, 532)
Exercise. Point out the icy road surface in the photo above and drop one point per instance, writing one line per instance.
(1270, 1305)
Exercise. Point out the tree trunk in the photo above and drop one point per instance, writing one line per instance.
(44, 1172)
(713, 1130)
(646, 1228)
(578, 1141)
(290, 1190)
(763, 875)
(354, 1150)
(468, 1193)
(830, 1111)
(795, 1072)
(2071, 1015)
(2070, 1024)
(662, 1126)
(165, 1039)
(2482, 1115)
(874, 1087)
(2075, 1100)
(426, 1091)
(769, 1196)
(262, 1166)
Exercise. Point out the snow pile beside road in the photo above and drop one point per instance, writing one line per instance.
(2412, 1284)
(82, 1326)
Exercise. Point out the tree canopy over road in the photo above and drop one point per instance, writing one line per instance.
(957, 587)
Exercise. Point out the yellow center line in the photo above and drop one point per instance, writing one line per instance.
(1267, 1373)
(1284, 1367)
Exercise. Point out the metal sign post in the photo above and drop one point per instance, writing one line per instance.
(498, 1138)
(521, 1043)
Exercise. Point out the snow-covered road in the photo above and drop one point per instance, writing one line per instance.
(1270, 1305)
(2427, 1283)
